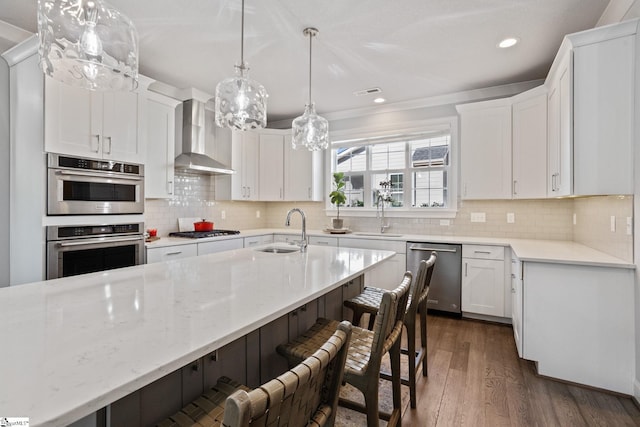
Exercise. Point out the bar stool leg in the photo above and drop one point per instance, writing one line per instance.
(423, 335)
(396, 381)
(411, 354)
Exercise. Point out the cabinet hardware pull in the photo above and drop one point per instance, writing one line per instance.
(416, 248)
(174, 253)
(214, 356)
(514, 187)
(97, 143)
(169, 187)
(304, 307)
(195, 367)
(108, 138)
(482, 252)
(320, 242)
(309, 192)
(465, 269)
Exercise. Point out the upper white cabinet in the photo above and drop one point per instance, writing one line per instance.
(303, 173)
(591, 112)
(159, 166)
(529, 144)
(241, 150)
(104, 125)
(272, 165)
(486, 149)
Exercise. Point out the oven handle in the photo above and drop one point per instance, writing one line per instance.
(102, 240)
(100, 175)
(415, 248)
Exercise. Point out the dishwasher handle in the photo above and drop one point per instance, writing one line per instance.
(423, 249)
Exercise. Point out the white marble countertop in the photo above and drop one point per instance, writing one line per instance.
(551, 251)
(72, 346)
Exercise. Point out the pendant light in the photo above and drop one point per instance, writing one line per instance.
(310, 130)
(88, 44)
(241, 103)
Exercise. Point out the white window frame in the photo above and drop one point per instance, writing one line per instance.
(366, 137)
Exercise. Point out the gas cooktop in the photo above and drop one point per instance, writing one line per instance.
(202, 234)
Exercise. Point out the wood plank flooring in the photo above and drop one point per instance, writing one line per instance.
(476, 379)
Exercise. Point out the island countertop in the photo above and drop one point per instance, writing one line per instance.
(73, 345)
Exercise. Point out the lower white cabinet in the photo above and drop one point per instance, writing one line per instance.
(483, 280)
(516, 302)
(578, 323)
(167, 253)
(205, 248)
(323, 241)
(258, 240)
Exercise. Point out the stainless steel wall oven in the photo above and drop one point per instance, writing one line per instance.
(81, 186)
(73, 250)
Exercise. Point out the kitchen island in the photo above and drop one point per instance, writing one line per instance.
(72, 346)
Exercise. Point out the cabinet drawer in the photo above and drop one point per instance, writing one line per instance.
(219, 246)
(483, 252)
(399, 247)
(171, 252)
(258, 240)
(323, 241)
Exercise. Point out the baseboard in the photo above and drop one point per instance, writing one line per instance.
(487, 318)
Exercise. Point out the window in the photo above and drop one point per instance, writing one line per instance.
(408, 173)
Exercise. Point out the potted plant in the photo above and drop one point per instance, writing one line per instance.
(337, 197)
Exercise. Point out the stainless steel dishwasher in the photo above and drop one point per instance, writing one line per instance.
(446, 282)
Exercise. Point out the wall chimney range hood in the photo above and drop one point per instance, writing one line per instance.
(192, 156)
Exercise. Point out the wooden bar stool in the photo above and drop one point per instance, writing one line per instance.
(369, 302)
(306, 395)
(366, 350)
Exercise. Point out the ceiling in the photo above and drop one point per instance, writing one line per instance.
(417, 50)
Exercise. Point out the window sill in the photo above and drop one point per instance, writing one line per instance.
(392, 213)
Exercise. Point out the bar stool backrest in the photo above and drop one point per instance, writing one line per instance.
(390, 317)
(420, 286)
(304, 395)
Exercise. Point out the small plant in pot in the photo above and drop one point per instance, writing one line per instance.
(338, 198)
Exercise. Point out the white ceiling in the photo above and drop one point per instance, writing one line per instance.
(411, 49)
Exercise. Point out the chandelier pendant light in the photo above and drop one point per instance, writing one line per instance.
(310, 130)
(88, 44)
(241, 103)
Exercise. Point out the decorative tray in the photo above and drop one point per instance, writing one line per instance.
(337, 230)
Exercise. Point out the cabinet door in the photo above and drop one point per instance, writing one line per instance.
(560, 121)
(603, 117)
(553, 138)
(192, 377)
(483, 286)
(72, 119)
(516, 302)
(219, 246)
(167, 253)
(323, 241)
(120, 127)
(159, 167)
(271, 335)
(530, 147)
(303, 174)
(486, 150)
(229, 360)
(251, 165)
(271, 169)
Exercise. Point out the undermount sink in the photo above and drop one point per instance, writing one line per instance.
(277, 250)
(378, 234)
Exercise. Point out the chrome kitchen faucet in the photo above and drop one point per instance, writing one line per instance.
(302, 243)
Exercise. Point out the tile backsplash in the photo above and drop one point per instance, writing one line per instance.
(550, 219)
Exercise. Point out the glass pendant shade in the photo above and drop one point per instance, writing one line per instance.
(241, 103)
(88, 44)
(310, 130)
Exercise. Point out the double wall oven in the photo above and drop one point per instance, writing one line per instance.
(87, 195)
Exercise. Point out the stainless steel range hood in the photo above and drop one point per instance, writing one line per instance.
(193, 155)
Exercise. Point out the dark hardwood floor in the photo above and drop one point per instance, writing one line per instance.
(476, 379)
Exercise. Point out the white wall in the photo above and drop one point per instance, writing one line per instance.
(4, 173)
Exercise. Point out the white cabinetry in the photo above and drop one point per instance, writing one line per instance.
(303, 174)
(560, 146)
(516, 301)
(105, 125)
(529, 145)
(323, 241)
(205, 248)
(167, 253)
(578, 323)
(271, 169)
(389, 273)
(486, 149)
(258, 240)
(483, 280)
(591, 112)
(241, 150)
(159, 167)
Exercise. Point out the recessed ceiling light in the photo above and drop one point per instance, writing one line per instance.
(508, 42)
(379, 100)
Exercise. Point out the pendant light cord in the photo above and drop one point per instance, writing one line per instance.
(310, 55)
(242, 39)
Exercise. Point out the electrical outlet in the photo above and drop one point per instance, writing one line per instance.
(478, 217)
(629, 226)
(511, 217)
(445, 222)
(613, 223)
(223, 215)
(575, 219)
(258, 214)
